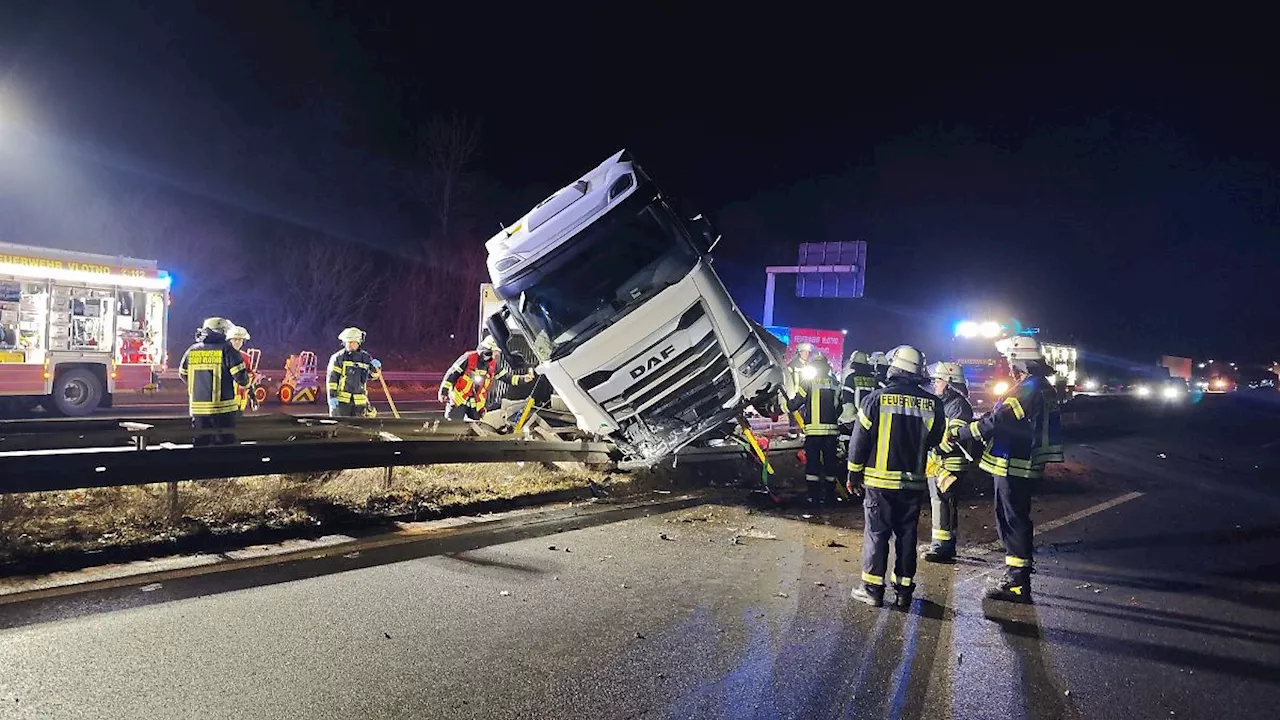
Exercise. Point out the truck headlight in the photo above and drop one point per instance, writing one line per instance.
(1090, 384)
(1171, 392)
(1143, 391)
(753, 364)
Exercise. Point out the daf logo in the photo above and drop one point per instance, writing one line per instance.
(652, 362)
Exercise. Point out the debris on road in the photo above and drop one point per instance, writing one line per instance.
(782, 595)
(352, 555)
(819, 583)
(551, 547)
(1083, 586)
(505, 593)
(759, 534)
(386, 635)
(150, 588)
(833, 543)
(664, 536)
(639, 636)
(1162, 456)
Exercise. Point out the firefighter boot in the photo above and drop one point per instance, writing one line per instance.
(829, 492)
(872, 595)
(902, 596)
(1013, 587)
(813, 488)
(941, 551)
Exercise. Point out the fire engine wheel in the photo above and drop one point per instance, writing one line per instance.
(260, 394)
(286, 394)
(76, 393)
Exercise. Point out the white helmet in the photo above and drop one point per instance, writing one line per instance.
(488, 343)
(906, 359)
(351, 333)
(237, 333)
(878, 358)
(218, 325)
(1020, 347)
(950, 372)
(804, 347)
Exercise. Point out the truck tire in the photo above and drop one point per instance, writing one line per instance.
(77, 393)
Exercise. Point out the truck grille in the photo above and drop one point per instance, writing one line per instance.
(704, 382)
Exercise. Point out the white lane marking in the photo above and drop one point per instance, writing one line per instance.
(1060, 522)
(1073, 517)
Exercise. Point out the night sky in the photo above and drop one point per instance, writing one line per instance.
(1119, 190)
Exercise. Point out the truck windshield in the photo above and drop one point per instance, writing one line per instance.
(602, 273)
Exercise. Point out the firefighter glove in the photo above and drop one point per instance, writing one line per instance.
(854, 484)
(333, 404)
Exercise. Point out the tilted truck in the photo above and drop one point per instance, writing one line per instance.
(613, 290)
(76, 329)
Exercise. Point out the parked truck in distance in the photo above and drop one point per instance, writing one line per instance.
(612, 288)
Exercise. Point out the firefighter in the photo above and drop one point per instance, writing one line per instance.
(212, 370)
(946, 467)
(804, 353)
(859, 381)
(237, 336)
(817, 400)
(1021, 434)
(879, 367)
(349, 372)
(465, 388)
(897, 424)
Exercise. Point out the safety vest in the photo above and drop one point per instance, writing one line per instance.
(471, 385)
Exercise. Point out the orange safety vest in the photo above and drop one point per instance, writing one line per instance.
(467, 391)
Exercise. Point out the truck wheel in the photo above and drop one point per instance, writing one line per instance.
(77, 393)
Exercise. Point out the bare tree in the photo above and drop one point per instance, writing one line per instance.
(447, 146)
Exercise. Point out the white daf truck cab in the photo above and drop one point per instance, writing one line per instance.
(614, 291)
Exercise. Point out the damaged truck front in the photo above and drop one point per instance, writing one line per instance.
(614, 292)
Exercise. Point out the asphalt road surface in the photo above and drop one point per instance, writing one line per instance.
(1157, 590)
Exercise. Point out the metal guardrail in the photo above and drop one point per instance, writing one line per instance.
(83, 468)
(72, 454)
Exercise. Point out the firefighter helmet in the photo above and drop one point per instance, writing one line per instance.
(218, 325)
(857, 356)
(488, 343)
(878, 359)
(950, 372)
(1020, 347)
(804, 347)
(350, 334)
(237, 333)
(905, 358)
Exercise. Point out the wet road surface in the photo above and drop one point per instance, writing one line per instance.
(1157, 590)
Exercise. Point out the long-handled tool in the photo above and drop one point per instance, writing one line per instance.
(387, 392)
(528, 405)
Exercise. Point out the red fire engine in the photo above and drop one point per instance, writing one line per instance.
(78, 328)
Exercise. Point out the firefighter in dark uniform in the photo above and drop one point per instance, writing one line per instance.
(1021, 435)
(212, 369)
(879, 367)
(817, 400)
(946, 467)
(897, 425)
(349, 372)
(859, 381)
